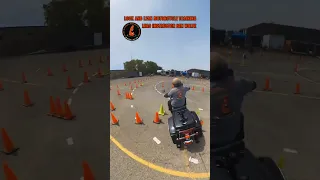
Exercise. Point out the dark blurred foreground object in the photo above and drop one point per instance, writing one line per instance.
(236, 162)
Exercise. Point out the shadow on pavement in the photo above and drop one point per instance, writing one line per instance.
(197, 147)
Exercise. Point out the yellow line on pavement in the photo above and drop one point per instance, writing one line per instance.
(159, 168)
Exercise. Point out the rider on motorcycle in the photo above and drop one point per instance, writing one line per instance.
(227, 95)
(177, 94)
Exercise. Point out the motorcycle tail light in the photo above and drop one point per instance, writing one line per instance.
(187, 136)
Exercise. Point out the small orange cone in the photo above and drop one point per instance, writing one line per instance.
(138, 119)
(193, 88)
(27, 101)
(157, 119)
(52, 107)
(24, 79)
(130, 96)
(127, 96)
(202, 89)
(125, 84)
(112, 108)
(90, 63)
(7, 143)
(49, 72)
(99, 74)
(59, 110)
(86, 78)
(8, 173)
(80, 64)
(118, 92)
(68, 114)
(297, 89)
(87, 173)
(1, 86)
(64, 68)
(162, 84)
(69, 83)
(267, 85)
(114, 121)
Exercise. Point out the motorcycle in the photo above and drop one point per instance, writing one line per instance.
(184, 126)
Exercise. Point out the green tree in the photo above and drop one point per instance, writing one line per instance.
(146, 67)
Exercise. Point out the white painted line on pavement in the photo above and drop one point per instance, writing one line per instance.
(200, 109)
(193, 160)
(155, 139)
(75, 90)
(288, 150)
(69, 141)
(69, 101)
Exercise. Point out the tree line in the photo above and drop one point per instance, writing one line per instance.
(146, 67)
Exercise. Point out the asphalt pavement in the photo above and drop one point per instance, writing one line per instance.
(282, 123)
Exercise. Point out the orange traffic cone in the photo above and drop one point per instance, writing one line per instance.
(59, 110)
(64, 68)
(90, 63)
(267, 85)
(114, 121)
(1, 86)
(69, 83)
(8, 173)
(193, 88)
(297, 89)
(138, 119)
(27, 101)
(87, 173)
(202, 89)
(24, 79)
(157, 119)
(49, 72)
(86, 78)
(125, 84)
(112, 108)
(68, 114)
(80, 64)
(118, 92)
(7, 143)
(99, 74)
(52, 107)
(130, 96)
(162, 84)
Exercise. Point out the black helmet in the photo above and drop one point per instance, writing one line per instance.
(219, 68)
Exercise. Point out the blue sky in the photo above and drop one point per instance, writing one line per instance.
(179, 49)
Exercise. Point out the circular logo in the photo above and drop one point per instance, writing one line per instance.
(131, 31)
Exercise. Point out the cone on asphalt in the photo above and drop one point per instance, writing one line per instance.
(59, 110)
(267, 86)
(99, 74)
(86, 78)
(27, 101)
(161, 111)
(68, 114)
(49, 72)
(202, 89)
(69, 83)
(64, 68)
(8, 146)
(114, 120)
(87, 173)
(112, 108)
(138, 119)
(8, 172)
(156, 119)
(24, 79)
(297, 89)
(52, 107)
(118, 92)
